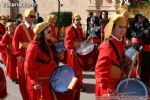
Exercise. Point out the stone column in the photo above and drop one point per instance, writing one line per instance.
(14, 10)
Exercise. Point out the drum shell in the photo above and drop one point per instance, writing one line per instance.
(88, 62)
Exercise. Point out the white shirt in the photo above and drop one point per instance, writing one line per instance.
(121, 39)
(27, 25)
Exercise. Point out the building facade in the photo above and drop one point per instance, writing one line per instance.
(44, 7)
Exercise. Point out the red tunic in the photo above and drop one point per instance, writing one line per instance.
(11, 61)
(36, 70)
(3, 55)
(71, 37)
(20, 37)
(3, 88)
(105, 80)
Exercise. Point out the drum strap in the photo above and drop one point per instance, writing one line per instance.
(77, 35)
(122, 67)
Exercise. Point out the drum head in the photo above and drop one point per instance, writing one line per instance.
(60, 46)
(61, 78)
(85, 48)
(135, 87)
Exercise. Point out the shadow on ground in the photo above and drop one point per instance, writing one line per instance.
(90, 88)
(88, 76)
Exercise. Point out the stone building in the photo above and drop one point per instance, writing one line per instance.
(44, 7)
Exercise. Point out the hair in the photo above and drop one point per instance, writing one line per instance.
(136, 17)
(96, 20)
(100, 16)
(91, 13)
(43, 45)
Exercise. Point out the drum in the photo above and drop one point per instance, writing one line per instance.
(62, 51)
(134, 88)
(87, 55)
(62, 78)
(131, 53)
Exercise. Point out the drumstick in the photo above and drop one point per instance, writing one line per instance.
(132, 65)
(126, 93)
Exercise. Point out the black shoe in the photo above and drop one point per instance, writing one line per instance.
(15, 81)
(82, 89)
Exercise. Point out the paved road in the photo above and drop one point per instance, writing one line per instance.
(14, 94)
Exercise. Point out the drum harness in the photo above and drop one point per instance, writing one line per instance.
(122, 67)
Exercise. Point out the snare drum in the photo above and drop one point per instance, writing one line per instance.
(135, 87)
(131, 53)
(62, 78)
(87, 55)
(62, 51)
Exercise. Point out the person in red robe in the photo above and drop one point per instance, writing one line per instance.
(74, 36)
(109, 70)
(40, 63)
(11, 61)
(3, 88)
(3, 85)
(22, 36)
(51, 19)
(3, 21)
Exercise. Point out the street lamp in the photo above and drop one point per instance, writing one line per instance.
(35, 5)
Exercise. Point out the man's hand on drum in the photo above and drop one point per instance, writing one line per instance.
(76, 44)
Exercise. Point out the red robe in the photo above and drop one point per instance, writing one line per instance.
(36, 70)
(3, 88)
(20, 36)
(2, 29)
(3, 54)
(106, 77)
(71, 37)
(11, 61)
(54, 34)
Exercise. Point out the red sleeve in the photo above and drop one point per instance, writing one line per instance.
(2, 48)
(15, 41)
(103, 66)
(4, 43)
(83, 35)
(30, 61)
(5, 39)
